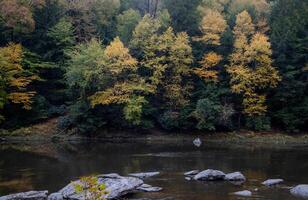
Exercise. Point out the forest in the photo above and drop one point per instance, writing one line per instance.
(208, 65)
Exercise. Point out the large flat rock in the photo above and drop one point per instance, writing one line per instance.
(32, 195)
(300, 191)
(116, 186)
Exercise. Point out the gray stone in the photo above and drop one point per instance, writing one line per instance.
(116, 186)
(235, 176)
(300, 191)
(197, 142)
(210, 175)
(272, 182)
(244, 193)
(144, 174)
(55, 196)
(191, 173)
(149, 188)
(31, 195)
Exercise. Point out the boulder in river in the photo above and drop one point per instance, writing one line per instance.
(116, 186)
(244, 193)
(235, 176)
(272, 182)
(300, 191)
(144, 174)
(149, 188)
(197, 142)
(32, 195)
(210, 175)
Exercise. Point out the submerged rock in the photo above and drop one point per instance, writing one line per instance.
(32, 195)
(300, 191)
(244, 193)
(210, 175)
(237, 182)
(116, 186)
(197, 142)
(144, 174)
(149, 188)
(191, 173)
(235, 177)
(272, 182)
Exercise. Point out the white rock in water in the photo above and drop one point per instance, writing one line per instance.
(197, 142)
(191, 173)
(149, 188)
(244, 193)
(300, 191)
(272, 182)
(32, 195)
(116, 186)
(235, 176)
(210, 175)
(144, 175)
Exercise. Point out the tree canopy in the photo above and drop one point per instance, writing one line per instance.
(200, 64)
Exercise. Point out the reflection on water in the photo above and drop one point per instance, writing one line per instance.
(52, 166)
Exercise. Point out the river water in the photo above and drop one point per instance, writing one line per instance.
(51, 166)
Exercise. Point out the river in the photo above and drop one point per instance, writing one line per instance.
(51, 166)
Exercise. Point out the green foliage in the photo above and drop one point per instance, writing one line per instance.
(62, 36)
(289, 22)
(86, 72)
(206, 113)
(126, 23)
(259, 123)
(170, 120)
(134, 108)
(184, 15)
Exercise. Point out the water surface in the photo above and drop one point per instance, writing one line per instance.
(52, 166)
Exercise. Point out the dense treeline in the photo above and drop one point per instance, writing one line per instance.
(174, 64)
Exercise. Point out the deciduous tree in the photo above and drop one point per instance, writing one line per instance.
(14, 79)
(251, 67)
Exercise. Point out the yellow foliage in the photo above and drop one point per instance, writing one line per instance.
(254, 104)
(24, 98)
(118, 57)
(210, 60)
(212, 26)
(90, 188)
(244, 25)
(120, 93)
(208, 63)
(15, 81)
(251, 67)
(119, 61)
